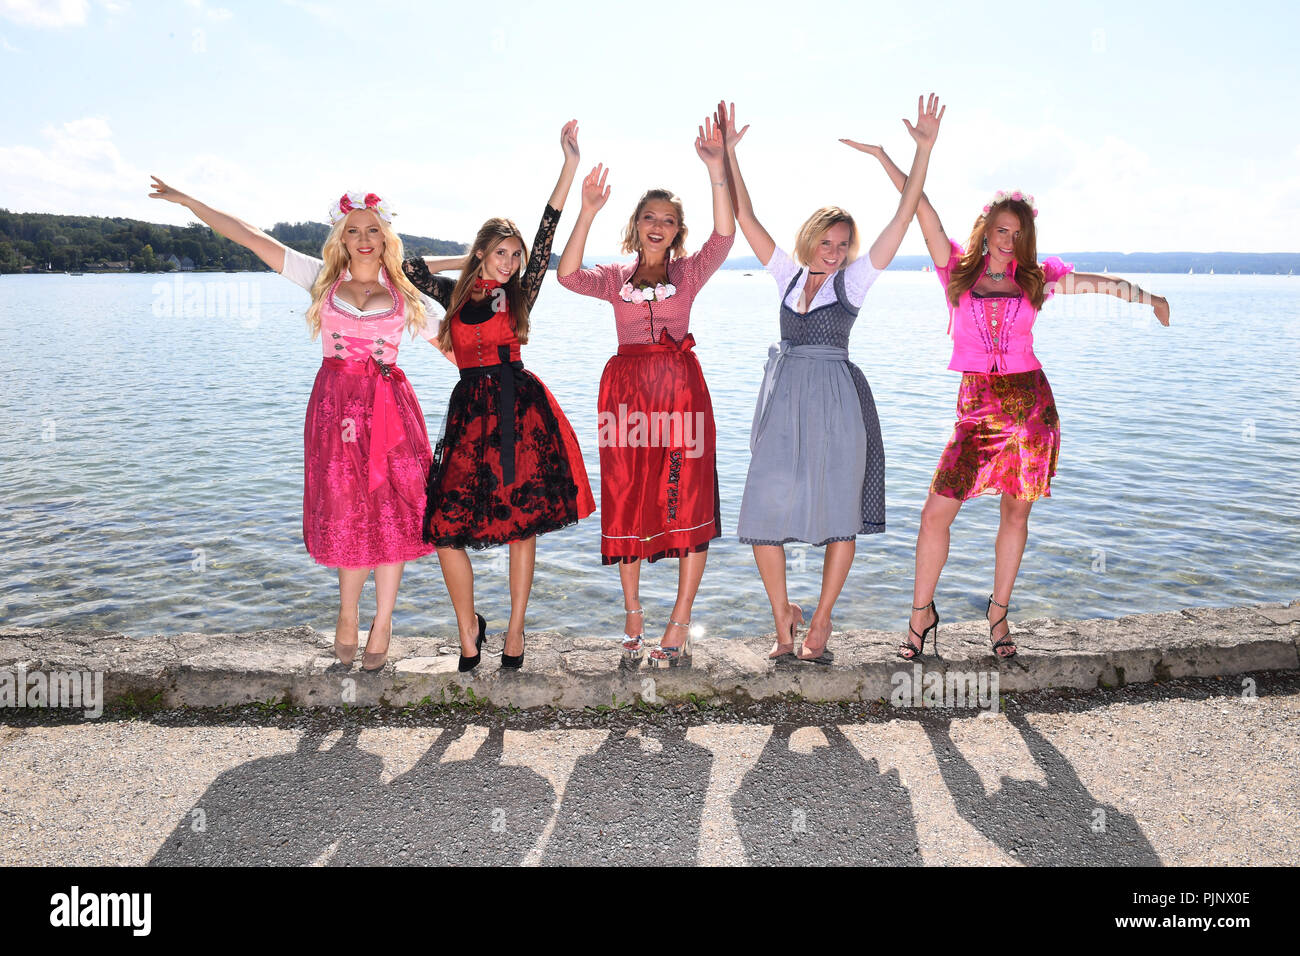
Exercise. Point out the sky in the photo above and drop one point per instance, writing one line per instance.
(1137, 126)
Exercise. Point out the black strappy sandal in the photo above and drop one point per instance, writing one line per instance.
(913, 651)
(1006, 641)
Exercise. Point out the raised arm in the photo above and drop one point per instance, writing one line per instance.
(270, 251)
(710, 148)
(539, 256)
(926, 130)
(758, 238)
(936, 240)
(1077, 283)
(594, 196)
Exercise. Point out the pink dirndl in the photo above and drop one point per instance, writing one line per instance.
(367, 459)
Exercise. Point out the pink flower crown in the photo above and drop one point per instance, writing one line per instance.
(357, 200)
(1017, 195)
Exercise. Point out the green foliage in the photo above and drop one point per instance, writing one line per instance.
(37, 242)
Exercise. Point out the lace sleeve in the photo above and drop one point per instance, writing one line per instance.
(438, 288)
(539, 257)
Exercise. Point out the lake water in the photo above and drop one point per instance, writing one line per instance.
(152, 457)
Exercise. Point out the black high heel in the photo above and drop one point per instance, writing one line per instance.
(511, 660)
(1006, 641)
(912, 651)
(469, 663)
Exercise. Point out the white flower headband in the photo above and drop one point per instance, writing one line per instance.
(357, 200)
(1016, 195)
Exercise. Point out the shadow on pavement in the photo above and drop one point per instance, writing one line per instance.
(1052, 824)
(825, 807)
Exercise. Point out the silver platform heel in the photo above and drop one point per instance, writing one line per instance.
(672, 656)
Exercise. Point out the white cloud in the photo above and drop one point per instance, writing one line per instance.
(8, 47)
(78, 169)
(45, 13)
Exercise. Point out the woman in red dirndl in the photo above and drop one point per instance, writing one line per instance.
(509, 466)
(658, 476)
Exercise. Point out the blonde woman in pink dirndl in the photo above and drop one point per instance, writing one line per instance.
(1007, 435)
(365, 446)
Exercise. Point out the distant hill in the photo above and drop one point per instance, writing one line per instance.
(1223, 263)
(39, 242)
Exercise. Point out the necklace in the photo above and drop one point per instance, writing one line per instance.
(995, 276)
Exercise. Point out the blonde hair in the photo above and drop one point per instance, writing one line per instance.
(632, 239)
(335, 255)
(490, 235)
(810, 233)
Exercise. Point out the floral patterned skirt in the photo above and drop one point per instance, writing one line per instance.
(1006, 439)
(473, 502)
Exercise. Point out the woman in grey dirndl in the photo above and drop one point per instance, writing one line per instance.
(817, 467)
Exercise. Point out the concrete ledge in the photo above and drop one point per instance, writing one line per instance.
(297, 665)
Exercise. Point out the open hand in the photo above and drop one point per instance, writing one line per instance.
(594, 190)
(876, 151)
(928, 115)
(727, 121)
(709, 143)
(162, 191)
(569, 141)
(1161, 306)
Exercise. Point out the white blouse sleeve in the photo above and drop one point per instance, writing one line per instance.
(858, 277)
(301, 269)
(781, 268)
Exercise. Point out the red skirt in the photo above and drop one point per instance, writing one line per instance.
(366, 456)
(658, 475)
(491, 484)
(1006, 440)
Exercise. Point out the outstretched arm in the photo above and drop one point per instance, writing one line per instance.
(928, 116)
(936, 240)
(443, 263)
(1077, 283)
(594, 196)
(758, 238)
(539, 256)
(709, 147)
(270, 251)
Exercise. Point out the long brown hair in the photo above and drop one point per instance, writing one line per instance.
(490, 235)
(632, 238)
(335, 256)
(1029, 275)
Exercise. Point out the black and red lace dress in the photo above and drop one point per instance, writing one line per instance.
(509, 465)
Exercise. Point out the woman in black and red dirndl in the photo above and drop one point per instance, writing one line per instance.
(509, 466)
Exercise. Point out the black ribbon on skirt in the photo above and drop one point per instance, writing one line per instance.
(506, 405)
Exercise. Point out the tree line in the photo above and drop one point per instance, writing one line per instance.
(40, 242)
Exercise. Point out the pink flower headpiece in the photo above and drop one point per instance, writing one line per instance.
(1017, 195)
(356, 200)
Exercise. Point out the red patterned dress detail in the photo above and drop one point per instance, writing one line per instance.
(658, 475)
(508, 466)
(1007, 436)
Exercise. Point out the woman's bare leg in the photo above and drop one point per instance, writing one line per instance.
(523, 560)
(932, 542)
(835, 571)
(1013, 533)
(458, 575)
(770, 559)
